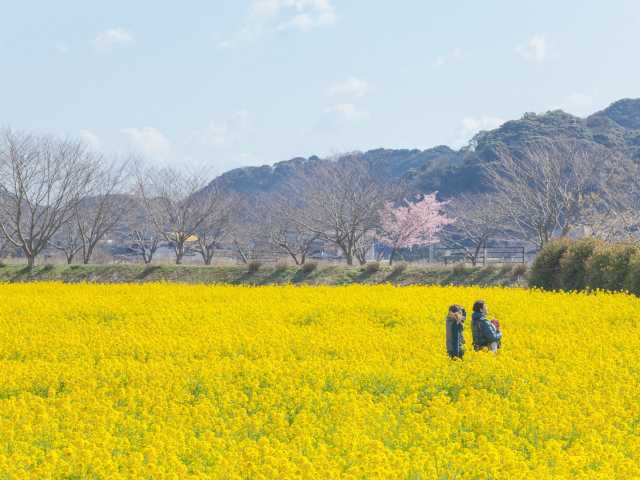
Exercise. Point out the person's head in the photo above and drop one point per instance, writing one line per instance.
(480, 307)
(457, 312)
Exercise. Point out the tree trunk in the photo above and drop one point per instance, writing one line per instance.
(393, 252)
(207, 256)
(86, 256)
(31, 260)
(295, 258)
(474, 260)
(179, 254)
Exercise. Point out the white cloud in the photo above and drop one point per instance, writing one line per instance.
(113, 37)
(450, 57)
(91, 139)
(269, 16)
(273, 8)
(303, 22)
(472, 125)
(148, 140)
(352, 87)
(217, 134)
(535, 50)
(214, 134)
(347, 111)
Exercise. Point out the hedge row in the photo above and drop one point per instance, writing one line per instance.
(587, 265)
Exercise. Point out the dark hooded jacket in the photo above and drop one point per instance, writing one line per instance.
(455, 336)
(483, 331)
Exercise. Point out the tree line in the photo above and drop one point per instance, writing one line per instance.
(58, 194)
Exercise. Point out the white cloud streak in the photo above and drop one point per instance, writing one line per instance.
(470, 126)
(113, 37)
(536, 49)
(269, 16)
(351, 87)
(213, 135)
(148, 140)
(224, 133)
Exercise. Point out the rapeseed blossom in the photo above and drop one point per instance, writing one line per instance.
(177, 381)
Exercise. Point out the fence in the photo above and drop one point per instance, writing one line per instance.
(515, 254)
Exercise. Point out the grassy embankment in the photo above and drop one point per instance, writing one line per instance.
(267, 274)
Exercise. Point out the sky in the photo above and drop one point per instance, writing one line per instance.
(229, 83)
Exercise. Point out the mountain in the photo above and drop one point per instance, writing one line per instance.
(618, 127)
(449, 171)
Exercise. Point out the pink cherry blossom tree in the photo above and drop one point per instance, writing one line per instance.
(412, 223)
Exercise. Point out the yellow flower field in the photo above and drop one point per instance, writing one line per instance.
(176, 381)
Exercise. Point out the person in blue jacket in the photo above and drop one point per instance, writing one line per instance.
(485, 332)
(455, 331)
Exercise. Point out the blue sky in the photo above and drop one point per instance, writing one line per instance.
(251, 82)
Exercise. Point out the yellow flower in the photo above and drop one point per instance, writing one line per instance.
(177, 381)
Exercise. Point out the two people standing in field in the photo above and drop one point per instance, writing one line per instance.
(486, 333)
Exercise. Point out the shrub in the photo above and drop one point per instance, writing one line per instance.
(632, 282)
(459, 269)
(620, 265)
(281, 267)
(308, 267)
(545, 271)
(489, 269)
(253, 266)
(573, 264)
(519, 270)
(506, 269)
(608, 267)
(371, 268)
(398, 268)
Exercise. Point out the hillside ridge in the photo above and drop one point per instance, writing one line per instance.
(449, 171)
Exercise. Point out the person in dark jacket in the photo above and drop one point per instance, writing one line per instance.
(484, 331)
(455, 331)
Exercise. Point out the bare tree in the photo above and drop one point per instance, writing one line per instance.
(342, 204)
(477, 220)
(178, 205)
(67, 240)
(615, 216)
(142, 234)
(277, 219)
(244, 233)
(543, 189)
(42, 181)
(96, 215)
(364, 247)
(106, 207)
(216, 227)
